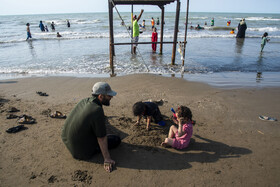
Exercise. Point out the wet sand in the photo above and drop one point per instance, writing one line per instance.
(231, 145)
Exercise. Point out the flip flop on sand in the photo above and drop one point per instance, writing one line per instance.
(267, 118)
(11, 116)
(16, 129)
(57, 114)
(13, 109)
(42, 93)
(24, 119)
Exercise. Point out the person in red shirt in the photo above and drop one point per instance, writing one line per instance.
(154, 39)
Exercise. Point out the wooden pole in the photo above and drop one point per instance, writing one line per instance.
(110, 7)
(186, 31)
(175, 32)
(161, 29)
(131, 43)
(131, 28)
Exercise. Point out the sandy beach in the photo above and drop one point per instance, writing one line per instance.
(231, 146)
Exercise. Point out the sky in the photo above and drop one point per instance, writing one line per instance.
(19, 7)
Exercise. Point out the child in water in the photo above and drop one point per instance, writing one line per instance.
(264, 40)
(28, 31)
(58, 35)
(179, 138)
(232, 31)
(149, 110)
(154, 39)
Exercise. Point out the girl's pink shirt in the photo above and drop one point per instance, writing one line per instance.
(183, 141)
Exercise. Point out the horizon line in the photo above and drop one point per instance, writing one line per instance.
(145, 11)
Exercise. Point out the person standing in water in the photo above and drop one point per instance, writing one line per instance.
(68, 23)
(264, 40)
(28, 31)
(153, 22)
(157, 21)
(52, 26)
(212, 22)
(154, 39)
(241, 29)
(136, 30)
(46, 28)
(42, 27)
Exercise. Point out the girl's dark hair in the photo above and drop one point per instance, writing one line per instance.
(265, 34)
(138, 108)
(184, 112)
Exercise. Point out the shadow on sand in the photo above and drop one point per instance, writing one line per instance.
(143, 157)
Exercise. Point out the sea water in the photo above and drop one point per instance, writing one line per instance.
(213, 55)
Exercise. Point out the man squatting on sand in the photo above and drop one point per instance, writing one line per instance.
(84, 132)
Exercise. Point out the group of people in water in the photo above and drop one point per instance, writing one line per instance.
(242, 27)
(44, 28)
(136, 31)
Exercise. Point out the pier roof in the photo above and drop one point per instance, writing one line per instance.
(143, 2)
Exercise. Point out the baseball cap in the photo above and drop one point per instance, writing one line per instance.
(103, 88)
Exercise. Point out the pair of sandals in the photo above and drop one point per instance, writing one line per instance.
(13, 109)
(42, 93)
(25, 119)
(16, 129)
(266, 118)
(58, 115)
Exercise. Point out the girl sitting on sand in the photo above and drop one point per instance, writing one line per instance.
(179, 138)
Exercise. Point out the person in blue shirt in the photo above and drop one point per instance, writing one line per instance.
(42, 27)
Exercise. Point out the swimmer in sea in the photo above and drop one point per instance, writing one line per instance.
(58, 35)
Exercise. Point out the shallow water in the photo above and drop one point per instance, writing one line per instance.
(212, 55)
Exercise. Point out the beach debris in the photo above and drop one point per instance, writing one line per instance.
(16, 129)
(11, 116)
(218, 172)
(82, 176)
(33, 176)
(25, 119)
(58, 115)
(260, 132)
(13, 109)
(46, 112)
(267, 118)
(42, 93)
(52, 179)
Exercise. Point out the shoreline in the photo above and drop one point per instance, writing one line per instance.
(226, 80)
